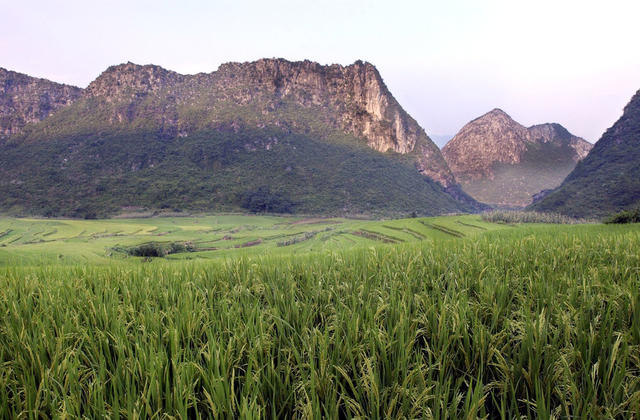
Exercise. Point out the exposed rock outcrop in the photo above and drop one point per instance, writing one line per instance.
(553, 132)
(355, 94)
(501, 162)
(25, 99)
(128, 81)
(494, 137)
(322, 139)
(353, 99)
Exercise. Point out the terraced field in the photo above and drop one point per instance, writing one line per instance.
(45, 241)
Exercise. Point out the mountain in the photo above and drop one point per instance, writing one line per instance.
(500, 162)
(25, 99)
(294, 136)
(608, 179)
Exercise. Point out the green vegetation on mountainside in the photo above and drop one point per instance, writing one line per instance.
(268, 136)
(626, 216)
(96, 175)
(608, 179)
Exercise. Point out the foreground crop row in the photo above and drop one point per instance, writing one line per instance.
(543, 322)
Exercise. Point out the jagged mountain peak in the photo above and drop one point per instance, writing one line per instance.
(608, 179)
(494, 117)
(26, 100)
(497, 122)
(360, 81)
(627, 122)
(131, 79)
(275, 63)
(499, 161)
(493, 137)
(547, 131)
(496, 112)
(147, 135)
(300, 95)
(556, 133)
(9, 77)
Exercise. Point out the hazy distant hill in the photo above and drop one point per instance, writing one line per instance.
(272, 135)
(500, 162)
(608, 179)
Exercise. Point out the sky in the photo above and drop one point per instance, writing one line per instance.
(447, 62)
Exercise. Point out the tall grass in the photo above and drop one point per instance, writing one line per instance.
(514, 216)
(543, 325)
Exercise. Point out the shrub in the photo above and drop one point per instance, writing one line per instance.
(157, 249)
(627, 216)
(150, 249)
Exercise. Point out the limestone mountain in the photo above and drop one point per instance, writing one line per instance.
(500, 162)
(25, 99)
(300, 96)
(608, 179)
(326, 138)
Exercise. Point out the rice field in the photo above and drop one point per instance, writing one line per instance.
(69, 242)
(443, 318)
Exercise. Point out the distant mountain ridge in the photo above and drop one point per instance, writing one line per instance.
(260, 92)
(608, 179)
(25, 99)
(247, 109)
(501, 162)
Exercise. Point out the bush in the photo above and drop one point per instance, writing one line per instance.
(157, 249)
(148, 250)
(627, 216)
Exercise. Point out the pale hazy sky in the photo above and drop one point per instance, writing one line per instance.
(447, 62)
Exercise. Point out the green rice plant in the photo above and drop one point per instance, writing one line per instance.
(535, 322)
(513, 216)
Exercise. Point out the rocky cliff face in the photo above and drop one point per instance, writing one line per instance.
(300, 96)
(129, 81)
(494, 137)
(309, 138)
(607, 180)
(553, 132)
(501, 162)
(25, 99)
